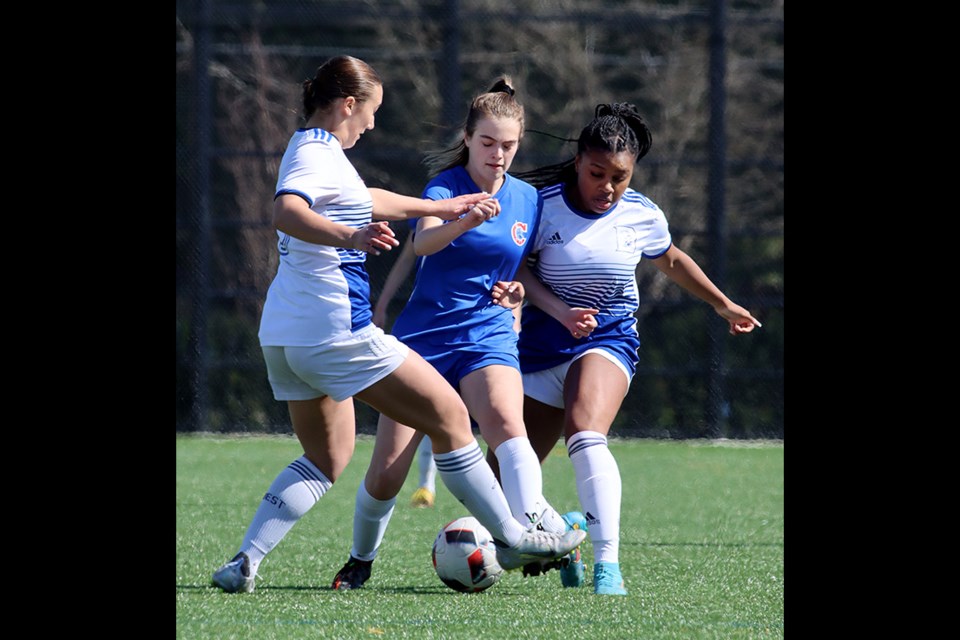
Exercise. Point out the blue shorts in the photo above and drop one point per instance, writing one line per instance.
(455, 365)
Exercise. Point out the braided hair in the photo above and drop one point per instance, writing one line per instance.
(497, 102)
(615, 127)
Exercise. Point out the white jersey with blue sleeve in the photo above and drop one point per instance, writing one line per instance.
(320, 292)
(590, 260)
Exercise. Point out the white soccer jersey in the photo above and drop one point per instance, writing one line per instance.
(320, 292)
(590, 260)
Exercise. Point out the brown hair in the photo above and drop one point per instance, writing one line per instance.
(338, 77)
(497, 102)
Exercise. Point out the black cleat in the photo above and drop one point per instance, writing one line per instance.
(537, 568)
(352, 575)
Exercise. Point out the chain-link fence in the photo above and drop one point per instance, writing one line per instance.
(707, 76)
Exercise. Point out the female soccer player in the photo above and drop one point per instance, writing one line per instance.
(453, 321)
(578, 342)
(320, 347)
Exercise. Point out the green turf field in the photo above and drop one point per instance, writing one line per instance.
(701, 551)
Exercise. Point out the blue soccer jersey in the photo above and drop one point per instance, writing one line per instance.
(451, 310)
(590, 260)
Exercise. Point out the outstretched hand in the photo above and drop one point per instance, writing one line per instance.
(580, 322)
(508, 294)
(739, 318)
(453, 208)
(374, 238)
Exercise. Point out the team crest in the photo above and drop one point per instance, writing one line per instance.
(519, 233)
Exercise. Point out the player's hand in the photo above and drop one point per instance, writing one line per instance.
(374, 238)
(508, 294)
(453, 208)
(739, 318)
(480, 213)
(581, 322)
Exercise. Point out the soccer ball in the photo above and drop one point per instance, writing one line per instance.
(465, 557)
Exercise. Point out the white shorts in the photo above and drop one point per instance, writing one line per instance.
(547, 385)
(338, 369)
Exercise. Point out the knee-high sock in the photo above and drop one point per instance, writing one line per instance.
(522, 481)
(426, 465)
(370, 520)
(599, 488)
(293, 493)
(470, 479)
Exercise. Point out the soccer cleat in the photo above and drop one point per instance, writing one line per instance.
(235, 575)
(542, 566)
(422, 498)
(573, 571)
(607, 580)
(538, 545)
(352, 575)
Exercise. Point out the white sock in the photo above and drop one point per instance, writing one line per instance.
(428, 468)
(293, 493)
(370, 520)
(470, 479)
(599, 488)
(522, 481)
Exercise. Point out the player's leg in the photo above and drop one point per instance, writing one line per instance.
(393, 453)
(494, 396)
(415, 394)
(326, 430)
(543, 415)
(593, 392)
(425, 494)
(544, 426)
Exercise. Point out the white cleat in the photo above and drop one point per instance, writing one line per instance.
(539, 545)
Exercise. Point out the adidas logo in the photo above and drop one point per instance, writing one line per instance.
(591, 519)
(555, 238)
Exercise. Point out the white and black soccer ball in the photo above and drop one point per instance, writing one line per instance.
(465, 557)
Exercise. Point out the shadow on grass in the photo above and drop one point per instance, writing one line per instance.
(745, 545)
(369, 589)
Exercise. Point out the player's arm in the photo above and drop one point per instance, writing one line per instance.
(578, 321)
(388, 205)
(398, 273)
(433, 235)
(682, 269)
(293, 216)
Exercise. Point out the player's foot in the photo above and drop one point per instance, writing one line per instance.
(235, 575)
(538, 545)
(352, 575)
(572, 572)
(422, 498)
(607, 580)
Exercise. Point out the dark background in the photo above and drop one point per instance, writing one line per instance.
(707, 76)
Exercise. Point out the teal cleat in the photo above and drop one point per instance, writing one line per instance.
(607, 580)
(572, 573)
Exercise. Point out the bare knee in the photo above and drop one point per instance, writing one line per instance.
(452, 431)
(331, 461)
